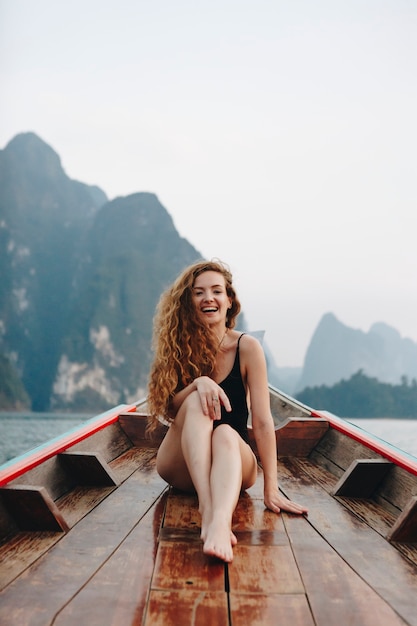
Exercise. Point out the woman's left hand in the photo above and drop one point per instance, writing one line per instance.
(276, 502)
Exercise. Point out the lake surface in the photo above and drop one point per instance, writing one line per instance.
(20, 432)
(402, 433)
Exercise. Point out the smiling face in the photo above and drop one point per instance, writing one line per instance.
(210, 298)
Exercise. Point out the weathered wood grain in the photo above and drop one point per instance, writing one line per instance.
(297, 436)
(336, 594)
(354, 542)
(134, 425)
(131, 460)
(21, 550)
(339, 451)
(118, 594)
(48, 585)
(187, 608)
(405, 527)
(110, 443)
(182, 565)
(264, 568)
(270, 610)
(397, 489)
(133, 555)
(182, 511)
(32, 508)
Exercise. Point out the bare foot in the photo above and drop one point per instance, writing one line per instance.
(204, 531)
(205, 524)
(219, 541)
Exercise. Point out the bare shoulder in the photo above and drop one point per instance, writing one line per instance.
(253, 363)
(250, 347)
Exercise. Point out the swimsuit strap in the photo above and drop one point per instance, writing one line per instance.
(238, 341)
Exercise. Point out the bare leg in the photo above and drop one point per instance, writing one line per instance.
(231, 458)
(216, 463)
(196, 443)
(184, 457)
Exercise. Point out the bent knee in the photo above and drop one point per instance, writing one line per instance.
(191, 404)
(192, 401)
(225, 435)
(191, 407)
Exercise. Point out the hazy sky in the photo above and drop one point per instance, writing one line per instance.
(280, 135)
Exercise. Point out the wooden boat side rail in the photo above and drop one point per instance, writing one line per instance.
(149, 568)
(350, 453)
(367, 468)
(400, 458)
(102, 492)
(20, 465)
(34, 491)
(38, 480)
(82, 456)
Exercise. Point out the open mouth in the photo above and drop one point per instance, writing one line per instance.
(209, 309)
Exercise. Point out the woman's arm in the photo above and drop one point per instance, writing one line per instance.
(207, 389)
(254, 365)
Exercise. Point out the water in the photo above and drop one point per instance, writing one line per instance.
(402, 433)
(20, 432)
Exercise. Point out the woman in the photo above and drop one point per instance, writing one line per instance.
(202, 374)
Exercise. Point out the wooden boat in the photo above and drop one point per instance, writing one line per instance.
(92, 535)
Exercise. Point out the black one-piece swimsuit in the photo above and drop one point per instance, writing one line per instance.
(235, 390)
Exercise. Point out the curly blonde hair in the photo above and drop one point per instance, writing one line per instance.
(184, 347)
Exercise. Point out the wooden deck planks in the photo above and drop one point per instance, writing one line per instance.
(41, 591)
(146, 567)
(333, 588)
(267, 569)
(24, 548)
(118, 594)
(187, 587)
(183, 608)
(366, 553)
(21, 551)
(272, 609)
(261, 586)
(182, 565)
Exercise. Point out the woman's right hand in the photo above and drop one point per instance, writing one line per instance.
(212, 397)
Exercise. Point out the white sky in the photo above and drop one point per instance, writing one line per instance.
(280, 135)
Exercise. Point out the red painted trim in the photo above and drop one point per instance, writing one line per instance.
(402, 459)
(16, 467)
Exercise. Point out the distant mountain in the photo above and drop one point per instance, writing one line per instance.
(337, 352)
(131, 253)
(43, 218)
(80, 278)
(13, 395)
